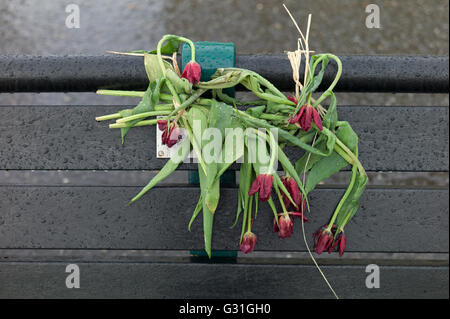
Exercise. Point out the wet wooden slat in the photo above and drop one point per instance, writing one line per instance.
(389, 220)
(179, 280)
(67, 137)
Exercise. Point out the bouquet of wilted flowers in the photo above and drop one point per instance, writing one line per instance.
(222, 130)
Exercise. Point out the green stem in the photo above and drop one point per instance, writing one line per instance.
(122, 93)
(272, 117)
(274, 147)
(267, 84)
(163, 68)
(343, 154)
(141, 123)
(308, 99)
(166, 97)
(343, 199)
(164, 107)
(249, 215)
(280, 198)
(108, 117)
(205, 102)
(346, 220)
(274, 209)
(142, 115)
(335, 81)
(347, 154)
(160, 108)
(273, 98)
(189, 101)
(352, 156)
(168, 37)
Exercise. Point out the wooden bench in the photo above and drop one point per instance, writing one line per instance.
(146, 251)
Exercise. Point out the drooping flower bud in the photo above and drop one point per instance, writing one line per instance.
(293, 189)
(340, 243)
(292, 99)
(192, 72)
(285, 225)
(248, 242)
(162, 125)
(323, 239)
(262, 184)
(171, 133)
(305, 116)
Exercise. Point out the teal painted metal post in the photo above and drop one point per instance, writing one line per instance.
(210, 56)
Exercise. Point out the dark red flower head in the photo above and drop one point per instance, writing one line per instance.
(285, 226)
(263, 185)
(171, 132)
(305, 116)
(162, 125)
(192, 72)
(293, 189)
(292, 99)
(339, 243)
(248, 242)
(323, 239)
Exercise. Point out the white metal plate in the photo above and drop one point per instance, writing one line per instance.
(162, 151)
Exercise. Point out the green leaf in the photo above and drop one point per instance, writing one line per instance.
(168, 169)
(213, 188)
(220, 116)
(351, 205)
(278, 183)
(197, 115)
(232, 101)
(347, 135)
(274, 209)
(208, 215)
(330, 119)
(237, 149)
(147, 104)
(256, 111)
(238, 211)
(273, 107)
(246, 179)
(308, 160)
(327, 166)
(282, 135)
(169, 48)
(317, 79)
(224, 78)
(323, 169)
(153, 68)
(197, 210)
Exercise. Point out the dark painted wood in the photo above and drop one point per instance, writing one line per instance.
(87, 73)
(389, 220)
(256, 257)
(67, 137)
(179, 280)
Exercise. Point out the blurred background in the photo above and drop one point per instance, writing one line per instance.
(413, 27)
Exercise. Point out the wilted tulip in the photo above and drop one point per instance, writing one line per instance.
(192, 72)
(262, 184)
